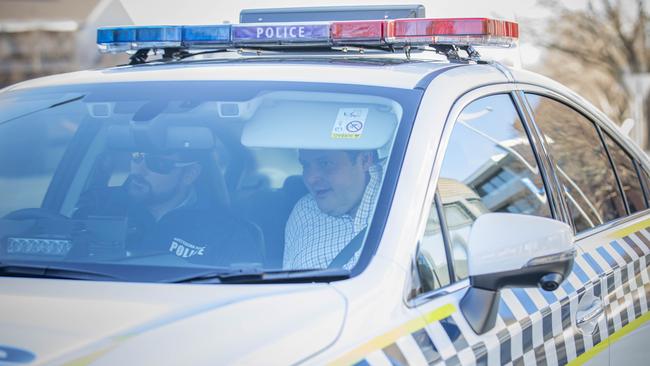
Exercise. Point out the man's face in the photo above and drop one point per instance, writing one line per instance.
(336, 179)
(155, 179)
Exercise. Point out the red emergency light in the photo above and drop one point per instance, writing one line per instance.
(366, 31)
(458, 31)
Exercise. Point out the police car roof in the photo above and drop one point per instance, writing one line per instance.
(397, 72)
(392, 70)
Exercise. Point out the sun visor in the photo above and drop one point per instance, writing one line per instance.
(322, 121)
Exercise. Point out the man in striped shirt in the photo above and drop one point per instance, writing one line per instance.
(343, 188)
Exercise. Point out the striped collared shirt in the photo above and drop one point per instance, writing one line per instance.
(313, 238)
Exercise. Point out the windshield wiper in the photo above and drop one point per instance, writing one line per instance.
(269, 276)
(38, 270)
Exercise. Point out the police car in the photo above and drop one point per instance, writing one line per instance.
(318, 191)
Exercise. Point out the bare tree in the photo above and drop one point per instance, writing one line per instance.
(593, 49)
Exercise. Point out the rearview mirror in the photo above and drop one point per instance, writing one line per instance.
(513, 250)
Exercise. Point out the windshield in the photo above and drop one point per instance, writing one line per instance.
(181, 177)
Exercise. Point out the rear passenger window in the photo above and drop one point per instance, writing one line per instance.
(582, 164)
(645, 179)
(627, 174)
(489, 166)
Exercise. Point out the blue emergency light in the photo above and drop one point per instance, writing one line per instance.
(117, 39)
(120, 39)
(206, 36)
(158, 36)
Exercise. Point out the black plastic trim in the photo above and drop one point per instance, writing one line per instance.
(540, 153)
(528, 276)
(444, 229)
(619, 183)
(480, 307)
(480, 304)
(644, 186)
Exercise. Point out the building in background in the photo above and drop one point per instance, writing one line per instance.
(44, 37)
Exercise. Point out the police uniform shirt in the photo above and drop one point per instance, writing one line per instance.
(194, 233)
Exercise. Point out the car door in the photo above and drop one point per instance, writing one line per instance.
(605, 199)
(489, 162)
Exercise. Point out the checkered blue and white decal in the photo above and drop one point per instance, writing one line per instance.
(536, 327)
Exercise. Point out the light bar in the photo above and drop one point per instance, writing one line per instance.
(456, 31)
(383, 33)
(362, 32)
(281, 33)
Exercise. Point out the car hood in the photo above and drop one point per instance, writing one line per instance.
(45, 321)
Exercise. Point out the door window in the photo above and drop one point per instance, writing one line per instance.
(489, 166)
(645, 179)
(581, 163)
(627, 175)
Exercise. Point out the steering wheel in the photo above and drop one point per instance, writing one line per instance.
(34, 213)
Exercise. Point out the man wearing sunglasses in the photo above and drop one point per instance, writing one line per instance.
(166, 215)
(163, 182)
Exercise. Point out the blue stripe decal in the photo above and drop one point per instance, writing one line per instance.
(549, 296)
(567, 286)
(619, 249)
(580, 273)
(593, 263)
(628, 240)
(525, 300)
(505, 313)
(610, 260)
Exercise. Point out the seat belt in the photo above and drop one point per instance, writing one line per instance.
(348, 251)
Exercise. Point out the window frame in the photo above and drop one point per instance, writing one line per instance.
(432, 198)
(619, 183)
(558, 206)
(636, 170)
(599, 136)
(644, 185)
(602, 123)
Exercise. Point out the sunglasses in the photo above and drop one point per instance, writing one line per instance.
(158, 164)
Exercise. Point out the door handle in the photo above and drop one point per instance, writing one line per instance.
(586, 318)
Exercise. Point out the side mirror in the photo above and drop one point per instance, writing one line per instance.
(513, 250)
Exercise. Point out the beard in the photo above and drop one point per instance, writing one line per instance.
(141, 191)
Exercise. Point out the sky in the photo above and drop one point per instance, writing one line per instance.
(526, 12)
(199, 11)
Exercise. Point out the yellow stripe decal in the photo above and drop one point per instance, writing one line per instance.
(393, 335)
(94, 356)
(88, 359)
(612, 339)
(630, 229)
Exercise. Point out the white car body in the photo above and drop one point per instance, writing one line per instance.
(360, 320)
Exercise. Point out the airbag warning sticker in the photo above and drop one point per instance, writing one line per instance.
(349, 123)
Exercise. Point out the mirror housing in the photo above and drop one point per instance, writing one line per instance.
(513, 250)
